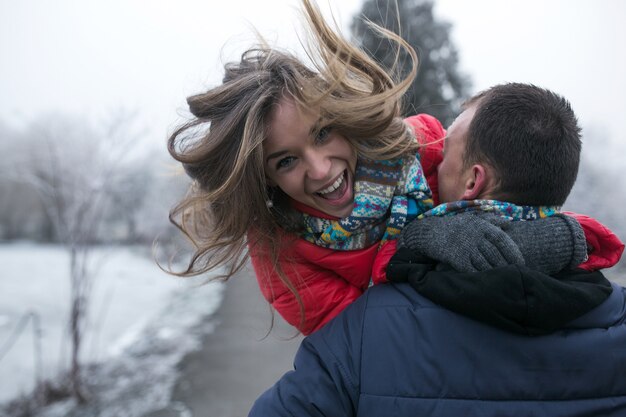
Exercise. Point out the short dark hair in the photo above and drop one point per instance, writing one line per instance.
(530, 137)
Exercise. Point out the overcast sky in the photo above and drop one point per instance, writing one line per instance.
(90, 57)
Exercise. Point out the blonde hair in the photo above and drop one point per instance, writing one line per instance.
(221, 147)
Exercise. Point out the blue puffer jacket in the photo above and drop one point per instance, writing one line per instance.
(394, 353)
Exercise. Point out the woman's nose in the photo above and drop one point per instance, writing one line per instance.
(318, 166)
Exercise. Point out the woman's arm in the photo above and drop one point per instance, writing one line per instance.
(605, 248)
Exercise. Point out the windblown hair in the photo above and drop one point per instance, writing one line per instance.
(530, 137)
(221, 147)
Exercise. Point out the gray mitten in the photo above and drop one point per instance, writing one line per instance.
(466, 242)
(548, 245)
(551, 244)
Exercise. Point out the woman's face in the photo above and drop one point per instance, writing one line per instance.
(311, 163)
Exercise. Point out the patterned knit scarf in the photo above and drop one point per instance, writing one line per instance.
(500, 208)
(382, 190)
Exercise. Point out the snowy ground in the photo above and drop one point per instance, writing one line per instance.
(141, 323)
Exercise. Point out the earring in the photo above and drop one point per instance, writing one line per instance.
(269, 203)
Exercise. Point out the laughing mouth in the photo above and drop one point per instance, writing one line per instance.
(334, 186)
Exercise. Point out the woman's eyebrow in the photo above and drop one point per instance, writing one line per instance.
(275, 155)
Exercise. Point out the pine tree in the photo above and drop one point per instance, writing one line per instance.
(439, 88)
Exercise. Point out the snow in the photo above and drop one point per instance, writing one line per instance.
(141, 322)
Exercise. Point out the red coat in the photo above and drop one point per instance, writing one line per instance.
(327, 281)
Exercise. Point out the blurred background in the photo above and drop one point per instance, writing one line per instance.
(88, 94)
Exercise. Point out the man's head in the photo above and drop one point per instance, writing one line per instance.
(513, 142)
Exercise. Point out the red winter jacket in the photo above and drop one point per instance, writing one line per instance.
(327, 281)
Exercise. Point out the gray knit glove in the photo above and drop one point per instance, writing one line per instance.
(549, 245)
(478, 241)
(465, 241)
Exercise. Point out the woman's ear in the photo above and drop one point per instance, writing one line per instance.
(477, 182)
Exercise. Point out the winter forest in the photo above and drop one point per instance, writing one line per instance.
(89, 322)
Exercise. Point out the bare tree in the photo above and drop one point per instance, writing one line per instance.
(78, 172)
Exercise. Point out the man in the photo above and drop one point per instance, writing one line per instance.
(524, 343)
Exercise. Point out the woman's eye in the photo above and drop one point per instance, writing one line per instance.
(322, 135)
(285, 162)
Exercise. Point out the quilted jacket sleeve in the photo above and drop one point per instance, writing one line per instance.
(605, 248)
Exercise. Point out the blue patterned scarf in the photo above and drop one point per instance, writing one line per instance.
(382, 190)
(500, 208)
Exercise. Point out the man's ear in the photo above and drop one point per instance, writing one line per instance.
(477, 182)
